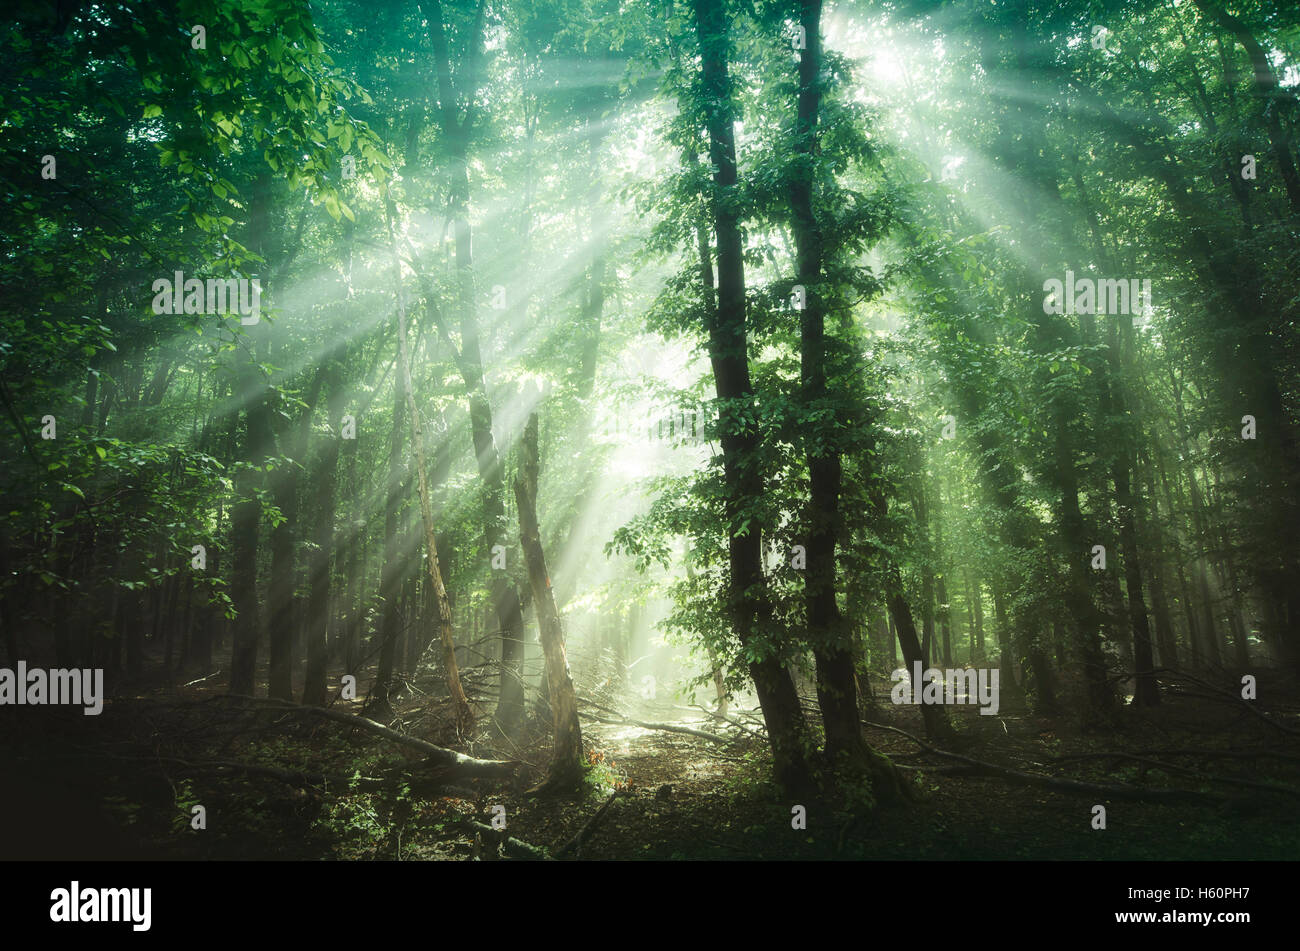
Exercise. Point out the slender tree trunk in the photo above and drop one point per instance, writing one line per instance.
(390, 573)
(975, 595)
(945, 618)
(1165, 637)
(456, 135)
(1007, 682)
(922, 508)
(565, 771)
(937, 725)
(460, 703)
(941, 582)
(1146, 691)
(280, 588)
(259, 443)
(317, 647)
(891, 648)
(244, 531)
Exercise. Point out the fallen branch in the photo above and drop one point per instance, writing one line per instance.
(290, 777)
(976, 767)
(725, 719)
(666, 727)
(517, 848)
(392, 775)
(1228, 695)
(201, 679)
(434, 755)
(1198, 774)
(625, 720)
(1198, 754)
(576, 841)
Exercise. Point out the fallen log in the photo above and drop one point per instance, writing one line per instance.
(1148, 763)
(516, 848)
(646, 725)
(290, 777)
(1195, 753)
(1220, 694)
(974, 767)
(438, 756)
(725, 719)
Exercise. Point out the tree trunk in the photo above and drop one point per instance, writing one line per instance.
(456, 133)
(565, 771)
(318, 600)
(259, 443)
(390, 572)
(937, 726)
(1266, 89)
(1146, 691)
(750, 611)
(836, 684)
(244, 531)
(464, 715)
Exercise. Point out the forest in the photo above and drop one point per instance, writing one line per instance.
(650, 429)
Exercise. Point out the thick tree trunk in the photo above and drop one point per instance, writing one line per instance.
(751, 614)
(836, 684)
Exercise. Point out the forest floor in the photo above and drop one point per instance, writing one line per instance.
(275, 783)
